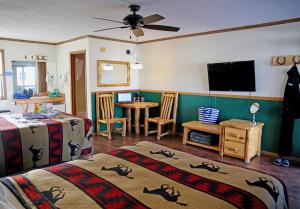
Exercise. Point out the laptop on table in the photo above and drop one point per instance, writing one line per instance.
(124, 97)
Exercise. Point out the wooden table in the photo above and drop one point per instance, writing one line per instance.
(209, 128)
(137, 106)
(39, 100)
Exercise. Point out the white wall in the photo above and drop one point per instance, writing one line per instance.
(16, 51)
(181, 64)
(63, 66)
(114, 51)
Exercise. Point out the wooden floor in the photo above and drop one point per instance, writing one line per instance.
(290, 176)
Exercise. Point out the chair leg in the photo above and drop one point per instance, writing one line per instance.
(97, 129)
(159, 126)
(174, 129)
(108, 130)
(146, 126)
(124, 128)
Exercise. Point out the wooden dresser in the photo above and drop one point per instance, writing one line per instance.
(241, 139)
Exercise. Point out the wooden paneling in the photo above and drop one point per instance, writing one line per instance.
(279, 99)
(27, 41)
(219, 95)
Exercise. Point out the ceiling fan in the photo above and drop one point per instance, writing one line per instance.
(136, 22)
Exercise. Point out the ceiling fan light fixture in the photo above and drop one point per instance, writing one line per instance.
(137, 66)
(107, 67)
(137, 22)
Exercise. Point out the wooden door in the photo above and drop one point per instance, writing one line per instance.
(78, 84)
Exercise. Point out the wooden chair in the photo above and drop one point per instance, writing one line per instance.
(105, 103)
(168, 113)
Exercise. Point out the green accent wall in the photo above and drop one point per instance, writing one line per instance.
(269, 113)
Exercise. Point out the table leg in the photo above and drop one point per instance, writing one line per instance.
(185, 135)
(129, 119)
(259, 142)
(25, 108)
(137, 120)
(146, 112)
(221, 152)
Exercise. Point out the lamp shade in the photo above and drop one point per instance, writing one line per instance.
(107, 67)
(137, 66)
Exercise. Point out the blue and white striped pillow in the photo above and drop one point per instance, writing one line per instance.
(208, 114)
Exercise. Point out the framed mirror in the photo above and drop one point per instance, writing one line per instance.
(113, 73)
(29, 75)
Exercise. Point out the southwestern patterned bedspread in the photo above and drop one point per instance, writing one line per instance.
(26, 144)
(144, 175)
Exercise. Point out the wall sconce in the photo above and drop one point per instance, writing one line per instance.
(64, 77)
(36, 57)
(49, 78)
(107, 67)
(137, 66)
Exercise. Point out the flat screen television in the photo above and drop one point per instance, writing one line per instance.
(232, 76)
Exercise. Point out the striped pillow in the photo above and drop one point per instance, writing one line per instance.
(208, 114)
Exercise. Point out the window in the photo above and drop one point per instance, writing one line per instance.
(24, 76)
(2, 76)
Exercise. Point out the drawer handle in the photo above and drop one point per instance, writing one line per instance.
(233, 149)
(235, 135)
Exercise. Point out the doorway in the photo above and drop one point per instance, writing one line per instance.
(78, 83)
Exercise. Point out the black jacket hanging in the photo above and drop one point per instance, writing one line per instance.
(291, 111)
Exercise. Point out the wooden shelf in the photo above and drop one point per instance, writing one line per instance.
(208, 128)
(216, 148)
(40, 100)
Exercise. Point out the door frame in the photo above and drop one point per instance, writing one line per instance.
(72, 79)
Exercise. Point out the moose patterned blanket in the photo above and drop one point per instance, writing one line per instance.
(26, 144)
(144, 175)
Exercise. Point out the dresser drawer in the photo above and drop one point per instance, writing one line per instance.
(234, 148)
(235, 134)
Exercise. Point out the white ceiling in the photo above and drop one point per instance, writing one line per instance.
(59, 20)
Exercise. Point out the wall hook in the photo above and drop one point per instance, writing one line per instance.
(294, 60)
(281, 63)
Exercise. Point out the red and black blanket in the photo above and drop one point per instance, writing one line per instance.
(26, 144)
(144, 175)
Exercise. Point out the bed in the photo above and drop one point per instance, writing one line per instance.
(27, 143)
(145, 175)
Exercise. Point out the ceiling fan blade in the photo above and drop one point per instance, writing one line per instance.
(138, 32)
(100, 18)
(162, 27)
(111, 28)
(152, 19)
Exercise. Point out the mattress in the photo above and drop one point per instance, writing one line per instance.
(144, 175)
(27, 144)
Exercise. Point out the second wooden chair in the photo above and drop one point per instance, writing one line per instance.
(168, 113)
(105, 103)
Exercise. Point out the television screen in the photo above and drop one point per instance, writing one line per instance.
(231, 76)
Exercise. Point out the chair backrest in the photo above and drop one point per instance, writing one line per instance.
(168, 104)
(106, 104)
